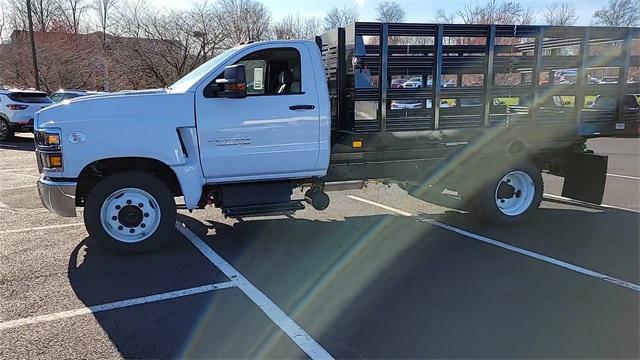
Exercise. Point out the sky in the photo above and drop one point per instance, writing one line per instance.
(417, 10)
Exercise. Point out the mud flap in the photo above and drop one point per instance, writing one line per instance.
(585, 177)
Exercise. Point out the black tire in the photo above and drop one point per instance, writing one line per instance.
(5, 130)
(484, 204)
(137, 180)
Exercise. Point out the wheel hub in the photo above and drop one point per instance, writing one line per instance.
(130, 215)
(515, 193)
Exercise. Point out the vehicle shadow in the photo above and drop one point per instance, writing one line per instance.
(19, 143)
(351, 281)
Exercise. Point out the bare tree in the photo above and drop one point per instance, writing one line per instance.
(43, 11)
(209, 38)
(619, 13)
(243, 20)
(156, 48)
(103, 9)
(560, 14)
(3, 21)
(44, 14)
(296, 27)
(340, 17)
(492, 12)
(390, 11)
(70, 13)
(443, 18)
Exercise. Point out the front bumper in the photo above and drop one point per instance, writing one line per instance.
(58, 197)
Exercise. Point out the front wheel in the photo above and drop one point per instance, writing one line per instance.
(511, 196)
(130, 211)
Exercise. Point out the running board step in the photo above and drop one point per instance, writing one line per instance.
(263, 210)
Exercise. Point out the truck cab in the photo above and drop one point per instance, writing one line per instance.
(257, 114)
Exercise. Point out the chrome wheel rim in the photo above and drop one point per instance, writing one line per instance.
(514, 193)
(130, 215)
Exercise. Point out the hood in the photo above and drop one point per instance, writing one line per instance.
(120, 108)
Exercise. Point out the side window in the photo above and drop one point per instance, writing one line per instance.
(256, 71)
(273, 72)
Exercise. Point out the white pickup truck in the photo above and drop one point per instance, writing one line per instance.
(246, 128)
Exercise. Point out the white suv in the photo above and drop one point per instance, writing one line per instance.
(17, 109)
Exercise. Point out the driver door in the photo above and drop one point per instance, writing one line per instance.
(272, 133)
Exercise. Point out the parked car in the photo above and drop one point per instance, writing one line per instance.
(567, 76)
(406, 104)
(62, 94)
(17, 110)
(609, 80)
(397, 83)
(413, 83)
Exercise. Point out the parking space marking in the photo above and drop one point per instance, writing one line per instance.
(624, 176)
(584, 203)
(21, 169)
(505, 246)
(297, 334)
(27, 175)
(115, 305)
(19, 187)
(15, 231)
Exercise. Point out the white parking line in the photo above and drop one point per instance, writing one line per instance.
(505, 246)
(18, 187)
(624, 176)
(583, 203)
(35, 169)
(115, 305)
(298, 335)
(15, 231)
(28, 175)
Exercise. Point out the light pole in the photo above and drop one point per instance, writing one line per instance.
(36, 74)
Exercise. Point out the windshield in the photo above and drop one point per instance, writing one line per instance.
(201, 71)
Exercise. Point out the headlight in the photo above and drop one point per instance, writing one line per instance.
(52, 139)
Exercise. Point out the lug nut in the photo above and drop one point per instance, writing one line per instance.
(120, 228)
(132, 231)
(129, 202)
(140, 205)
(143, 226)
(114, 218)
(146, 215)
(118, 207)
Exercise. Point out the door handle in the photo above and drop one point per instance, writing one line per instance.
(302, 107)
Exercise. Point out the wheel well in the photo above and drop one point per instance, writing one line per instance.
(98, 170)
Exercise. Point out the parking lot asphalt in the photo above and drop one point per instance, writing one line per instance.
(378, 275)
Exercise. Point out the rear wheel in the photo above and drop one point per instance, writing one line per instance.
(511, 197)
(130, 212)
(5, 130)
